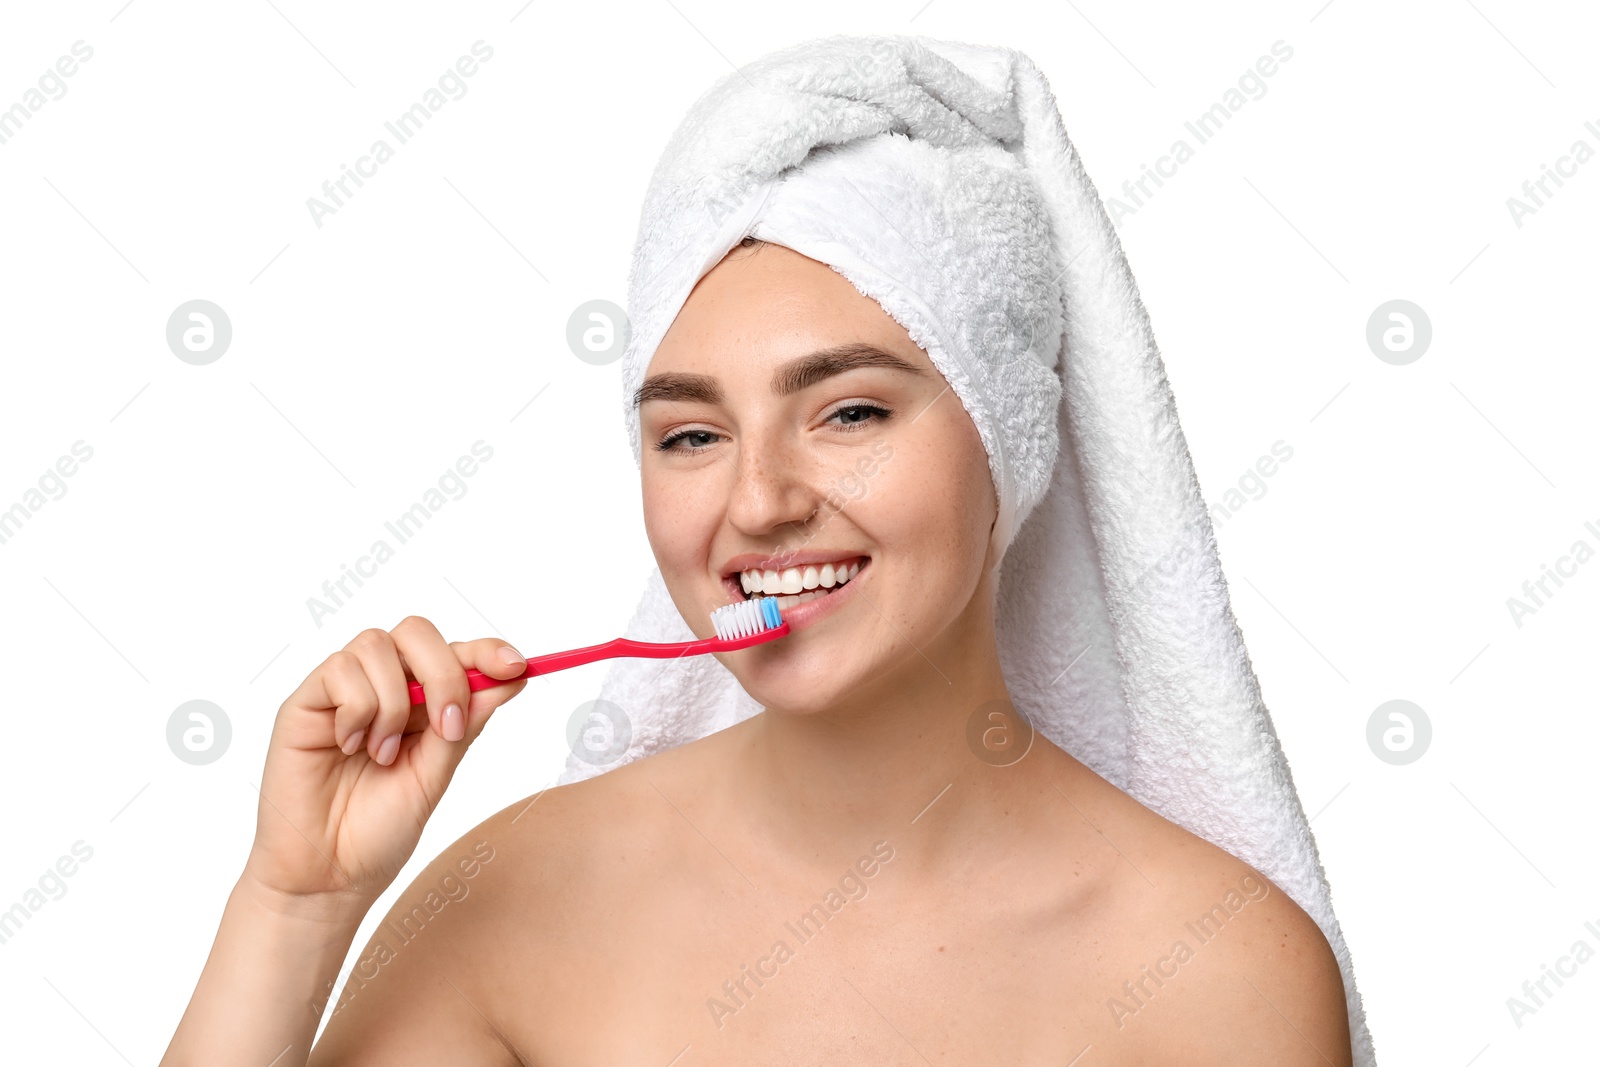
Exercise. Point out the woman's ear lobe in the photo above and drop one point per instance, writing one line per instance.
(989, 563)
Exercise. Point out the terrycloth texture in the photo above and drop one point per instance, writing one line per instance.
(938, 178)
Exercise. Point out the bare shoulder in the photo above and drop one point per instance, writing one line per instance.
(413, 992)
(1271, 989)
(1230, 969)
(436, 980)
(585, 834)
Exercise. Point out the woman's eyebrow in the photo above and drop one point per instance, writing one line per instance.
(677, 386)
(792, 377)
(806, 371)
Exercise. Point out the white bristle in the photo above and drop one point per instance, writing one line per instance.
(738, 620)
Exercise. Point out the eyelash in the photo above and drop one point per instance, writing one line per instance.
(670, 442)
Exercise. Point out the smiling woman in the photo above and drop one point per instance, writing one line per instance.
(775, 381)
(895, 375)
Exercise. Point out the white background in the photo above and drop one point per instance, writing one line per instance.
(368, 354)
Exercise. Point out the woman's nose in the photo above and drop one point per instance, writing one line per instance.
(771, 488)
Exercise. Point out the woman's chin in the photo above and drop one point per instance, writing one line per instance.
(796, 690)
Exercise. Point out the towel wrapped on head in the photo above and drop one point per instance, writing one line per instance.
(937, 177)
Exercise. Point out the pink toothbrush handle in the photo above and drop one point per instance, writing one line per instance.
(621, 646)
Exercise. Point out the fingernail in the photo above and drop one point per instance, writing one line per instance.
(387, 750)
(353, 742)
(510, 655)
(455, 727)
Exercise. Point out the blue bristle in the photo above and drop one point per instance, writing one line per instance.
(769, 610)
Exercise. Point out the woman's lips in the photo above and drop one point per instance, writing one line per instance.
(801, 616)
(811, 611)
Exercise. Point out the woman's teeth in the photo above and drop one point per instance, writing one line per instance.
(810, 581)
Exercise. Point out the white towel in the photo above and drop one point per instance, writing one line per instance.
(938, 178)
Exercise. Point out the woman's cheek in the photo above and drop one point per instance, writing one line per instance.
(938, 495)
(664, 526)
(920, 484)
(681, 517)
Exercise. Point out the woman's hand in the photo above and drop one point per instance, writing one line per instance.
(353, 770)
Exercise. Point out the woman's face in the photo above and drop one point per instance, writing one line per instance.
(788, 422)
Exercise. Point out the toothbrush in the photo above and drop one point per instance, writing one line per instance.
(740, 625)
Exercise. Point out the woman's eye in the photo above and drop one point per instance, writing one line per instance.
(857, 414)
(671, 444)
(851, 416)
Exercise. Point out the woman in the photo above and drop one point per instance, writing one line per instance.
(605, 920)
(846, 874)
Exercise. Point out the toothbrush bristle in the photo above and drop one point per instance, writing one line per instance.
(746, 618)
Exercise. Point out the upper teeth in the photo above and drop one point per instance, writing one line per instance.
(798, 579)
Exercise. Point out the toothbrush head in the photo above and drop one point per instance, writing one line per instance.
(748, 622)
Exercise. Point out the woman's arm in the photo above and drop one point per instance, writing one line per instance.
(353, 772)
(271, 976)
(261, 994)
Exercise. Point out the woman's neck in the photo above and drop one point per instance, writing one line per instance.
(897, 762)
